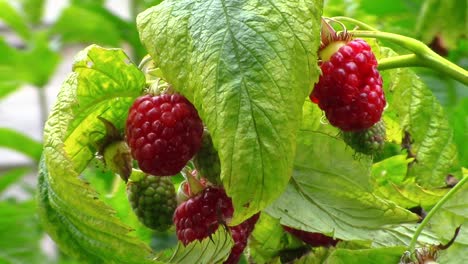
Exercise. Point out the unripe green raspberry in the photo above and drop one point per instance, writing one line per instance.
(369, 141)
(207, 160)
(153, 199)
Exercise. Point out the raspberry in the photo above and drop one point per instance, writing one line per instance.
(240, 234)
(163, 132)
(153, 200)
(200, 216)
(313, 239)
(350, 87)
(368, 141)
(207, 160)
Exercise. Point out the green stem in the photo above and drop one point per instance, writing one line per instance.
(358, 23)
(409, 60)
(115, 185)
(427, 57)
(144, 62)
(133, 8)
(43, 110)
(411, 44)
(431, 213)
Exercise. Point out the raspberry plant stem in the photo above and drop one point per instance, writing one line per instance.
(43, 109)
(434, 209)
(409, 60)
(116, 182)
(358, 23)
(144, 62)
(425, 55)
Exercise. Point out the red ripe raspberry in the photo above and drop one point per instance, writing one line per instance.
(240, 234)
(313, 239)
(350, 87)
(163, 132)
(200, 216)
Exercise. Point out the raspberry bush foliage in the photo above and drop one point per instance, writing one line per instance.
(248, 68)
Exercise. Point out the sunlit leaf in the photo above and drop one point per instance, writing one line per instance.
(418, 112)
(376, 255)
(391, 183)
(70, 209)
(247, 66)
(330, 192)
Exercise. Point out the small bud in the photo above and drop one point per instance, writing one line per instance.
(118, 159)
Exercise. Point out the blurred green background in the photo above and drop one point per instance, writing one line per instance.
(38, 40)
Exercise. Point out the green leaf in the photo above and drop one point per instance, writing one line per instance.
(88, 3)
(401, 235)
(142, 5)
(447, 18)
(418, 112)
(12, 18)
(375, 255)
(409, 194)
(453, 213)
(459, 122)
(9, 82)
(12, 176)
(103, 83)
(117, 199)
(455, 254)
(86, 31)
(33, 65)
(20, 233)
(387, 15)
(317, 256)
(391, 184)
(247, 66)
(392, 169)
(268, 240)
(330, 192)
(21, 143)
(33, 10)
(350, 256)
(210, 250)
(7, 87)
